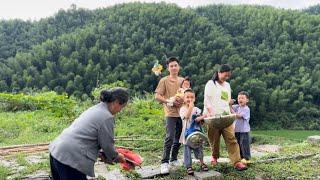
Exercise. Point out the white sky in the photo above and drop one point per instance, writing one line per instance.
(36, 9)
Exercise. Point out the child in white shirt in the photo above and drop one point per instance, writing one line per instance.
(187, 111)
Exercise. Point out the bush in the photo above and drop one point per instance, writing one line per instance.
(96, 92)
(142, 117)
(60, 105)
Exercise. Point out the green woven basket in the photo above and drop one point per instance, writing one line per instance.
(196, 139)
(220, 121)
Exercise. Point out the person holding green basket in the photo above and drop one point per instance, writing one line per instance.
(217, 99)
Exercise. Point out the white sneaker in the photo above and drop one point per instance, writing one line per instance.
(174, 163)
(164, 168)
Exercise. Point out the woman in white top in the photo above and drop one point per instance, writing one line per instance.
(217, 97)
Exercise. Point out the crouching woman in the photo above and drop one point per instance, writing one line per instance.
(74, 152)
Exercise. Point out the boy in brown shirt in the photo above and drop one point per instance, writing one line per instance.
(166, 94)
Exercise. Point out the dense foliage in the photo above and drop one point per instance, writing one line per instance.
(274, 52)
(59, 105)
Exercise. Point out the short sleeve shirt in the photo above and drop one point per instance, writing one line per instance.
(169, 88)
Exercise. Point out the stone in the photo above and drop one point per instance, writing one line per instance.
(38, 175)
(14, 166)
(190, 178)
(208, 175)
(149, 171)
(33, 159)
(207, 160)
(257, 154)
(314, 139)
(266, 148)
(205, 175)
(7, 163)
(114, 175)
(100, 169)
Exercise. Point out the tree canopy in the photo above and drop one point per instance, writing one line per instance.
(274, 53)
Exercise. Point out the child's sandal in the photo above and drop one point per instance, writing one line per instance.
(204, 167)
(190, 171)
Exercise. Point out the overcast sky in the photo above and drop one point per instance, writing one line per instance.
(36, 9)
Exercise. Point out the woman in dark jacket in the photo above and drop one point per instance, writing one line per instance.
(74, 152)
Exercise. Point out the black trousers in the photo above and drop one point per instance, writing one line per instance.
(61, 171)
(171, 143)
(244, 144)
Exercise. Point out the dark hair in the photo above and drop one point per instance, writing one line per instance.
(186, 79)
(223, 68)
(172, 59)
(115, 94)
(189, 90)
(245, 93)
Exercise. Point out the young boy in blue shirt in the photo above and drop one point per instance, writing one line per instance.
(242, 126)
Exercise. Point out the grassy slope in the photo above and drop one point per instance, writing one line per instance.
(144, 117)
(29, 127)
(288, 134)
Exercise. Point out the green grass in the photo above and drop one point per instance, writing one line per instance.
(29, 168)
(295, 169)
(29, 127)
(287, 134)
(282, 136)
(308, 168)
(144, 117)
(4, 172)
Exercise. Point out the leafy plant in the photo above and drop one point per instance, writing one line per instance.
(96, 92)
(60, 105)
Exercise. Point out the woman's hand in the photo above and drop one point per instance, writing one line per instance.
(103, 158)
(121, 158)
(205, 116)
(238, 116)
(200, 119)
(210, 112)
(232, 101)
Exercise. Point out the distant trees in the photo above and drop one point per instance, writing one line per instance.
(274, 52)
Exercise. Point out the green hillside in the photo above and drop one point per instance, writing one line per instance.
(274, 52)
